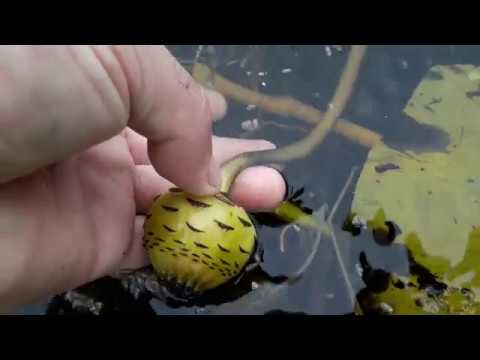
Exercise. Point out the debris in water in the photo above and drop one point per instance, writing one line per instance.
(360, 222)
(84, 302)
(385, 308)
(328, 50)
(243, 62)
(231, 62)
(286, 71)
(250, 125)
(251, 107)
(359, 269)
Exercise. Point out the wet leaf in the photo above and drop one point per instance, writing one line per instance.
(434, 197)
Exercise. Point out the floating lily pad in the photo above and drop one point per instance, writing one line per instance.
(434, 197)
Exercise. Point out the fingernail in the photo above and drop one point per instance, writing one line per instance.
(218, 104)
(214, 175)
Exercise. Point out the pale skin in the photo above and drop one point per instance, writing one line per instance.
(89, 135)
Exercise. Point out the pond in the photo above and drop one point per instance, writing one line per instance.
(388, 77)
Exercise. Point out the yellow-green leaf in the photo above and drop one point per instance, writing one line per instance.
(434, 197)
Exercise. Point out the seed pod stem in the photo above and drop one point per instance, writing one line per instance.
(305, 146)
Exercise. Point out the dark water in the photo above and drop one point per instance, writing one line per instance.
(310, 74)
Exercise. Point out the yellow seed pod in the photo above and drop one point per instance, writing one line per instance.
(196, 243)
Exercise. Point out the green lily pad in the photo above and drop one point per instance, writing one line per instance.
(434, 197)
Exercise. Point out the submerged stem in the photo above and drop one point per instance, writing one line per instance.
(304, 147)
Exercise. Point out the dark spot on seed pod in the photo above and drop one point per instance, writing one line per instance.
(223, 226)
(179, 242)
(183, 254)
(169, 208)
(222, 248)
(196, 203)
(214, 265)
(195, 260)
(242, 250)
(161, 250)
(159, 239)
(177, 190)
(206, 263)
(168, 228)
(148, 216)
(224, 198)
(185, 249)
(211, 268)
(150, 233)
(195, 255)
(201, 246)
(156, 243)
(174, 255)
(224, 262)
(193, 228)
(156, 197)
(169, 249)
(207, 256)
(236, 265)
(244, 222)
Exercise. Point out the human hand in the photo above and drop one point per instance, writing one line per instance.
(85, 133)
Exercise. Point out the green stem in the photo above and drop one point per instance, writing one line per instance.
(304, 147)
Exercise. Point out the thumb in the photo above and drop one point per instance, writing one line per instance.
(175, 114)
(184, 154)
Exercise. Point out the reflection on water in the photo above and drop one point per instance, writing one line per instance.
(310, 74)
